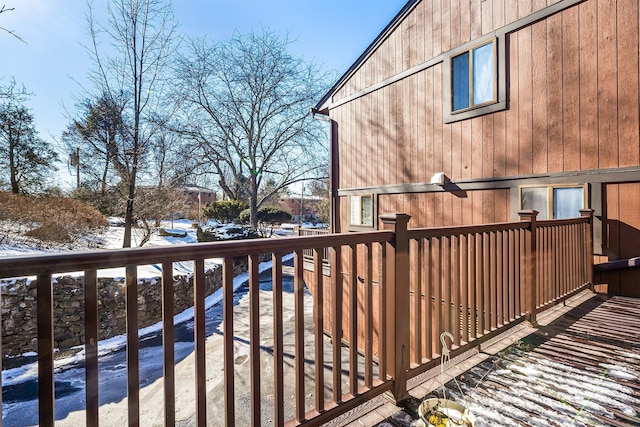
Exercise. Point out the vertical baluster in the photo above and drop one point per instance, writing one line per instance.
(91, 346)
(480, 247)
(437, 289)
(382, 313)
(553, 268)
(133, 356)
(473, 308)
(353, 322)
(447, 265)
(254, 337)
(499, 279)
(46, 393)
(573, 283)
(168, 344)
(517, 260)
(299, 333)
(368, 317)
(565, 259)
(199, 342)
(464, 286)
(427, 322)
(336, 327)
(416, 330)
(557, 266)
(512, 281)
(493, 288)
(504, 277)
(278, 344)
(227, 320)
(318, 316)
(486, 280)
(576, 256)
(455, 289)
(565, 250)
(547, 268)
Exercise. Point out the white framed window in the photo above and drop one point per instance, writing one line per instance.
(362, 211)
(555, 201)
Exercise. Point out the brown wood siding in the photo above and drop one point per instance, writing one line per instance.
(573, 104)
(588, 90)
(573, 97)
(434, 27)
(628, 121)
(438, 209)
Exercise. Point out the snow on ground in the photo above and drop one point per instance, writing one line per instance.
(14, 243)
(113, 371)
(69, 369)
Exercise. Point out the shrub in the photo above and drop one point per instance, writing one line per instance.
(54, 219)
(268, 218)
(108, 202)
(224, 210)
(217, 235)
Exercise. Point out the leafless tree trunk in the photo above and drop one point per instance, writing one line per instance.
(141, 34)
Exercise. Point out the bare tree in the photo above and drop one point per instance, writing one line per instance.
(4, 9)
(141, 37)
(246, 109)
(156, 202)
(320, 188)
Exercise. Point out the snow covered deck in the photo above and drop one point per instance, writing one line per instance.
(580, 367)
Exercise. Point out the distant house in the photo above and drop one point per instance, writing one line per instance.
(196, 194)
(465, 112)
(301, 207)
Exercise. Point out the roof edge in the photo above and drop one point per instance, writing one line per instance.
(323, 106)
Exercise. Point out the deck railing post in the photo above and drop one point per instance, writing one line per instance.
(531, 269)
(397, 296)
(588, 241)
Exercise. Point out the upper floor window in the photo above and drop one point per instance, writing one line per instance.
(475, 79)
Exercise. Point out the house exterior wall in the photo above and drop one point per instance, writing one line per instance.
(572, 115)
(206, 196)
(573, 105)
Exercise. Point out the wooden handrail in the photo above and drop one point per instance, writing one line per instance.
(471, 280)
(32, 265)
(619, 264)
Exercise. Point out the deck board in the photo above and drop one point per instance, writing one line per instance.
(581, 366)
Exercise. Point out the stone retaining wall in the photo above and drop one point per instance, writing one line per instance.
(19, 320)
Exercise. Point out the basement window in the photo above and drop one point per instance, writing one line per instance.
(361, 211)
(554, 201)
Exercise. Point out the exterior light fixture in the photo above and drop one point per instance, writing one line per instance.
(439, 178)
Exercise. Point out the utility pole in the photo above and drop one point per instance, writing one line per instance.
(75, 161)
(199, 209)
(77, 167)
(301, 204)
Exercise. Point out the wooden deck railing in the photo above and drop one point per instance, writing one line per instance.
(477, 281)
(471, 281)
(308, 253)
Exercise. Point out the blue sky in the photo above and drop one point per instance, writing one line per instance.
(53, 63)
